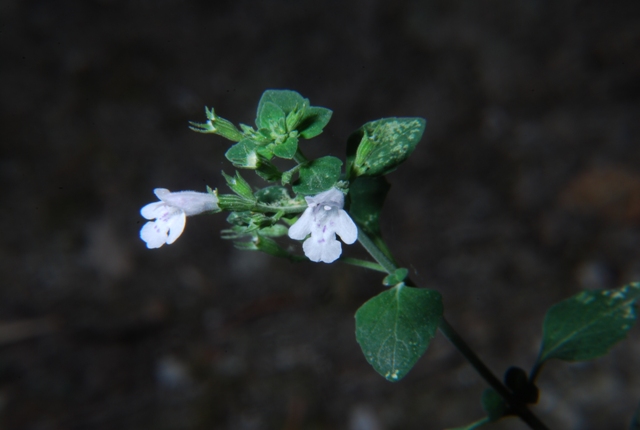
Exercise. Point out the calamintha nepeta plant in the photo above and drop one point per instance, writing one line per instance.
(307, 202)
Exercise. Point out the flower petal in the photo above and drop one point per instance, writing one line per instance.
(333, 197)
(302, 227)
(176, 225)
(345, 227)
(153, 210)
(161, 192)
(153, 234)
(318, 249)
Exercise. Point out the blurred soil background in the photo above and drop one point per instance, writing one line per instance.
(524, 190)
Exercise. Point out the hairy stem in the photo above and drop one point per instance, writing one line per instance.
(363, 263)
(300, 158)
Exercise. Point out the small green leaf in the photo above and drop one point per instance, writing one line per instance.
(379, 147)
(267, 171)
(286, 100)
(313, 122)
(286, 149)
(396, 277)
(271, 117)
(299, 115)
(318, 176)
(395, 327)
(588, 324)
(493, 404)
(243, 155)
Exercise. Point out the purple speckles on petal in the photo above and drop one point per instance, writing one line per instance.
(323, 219)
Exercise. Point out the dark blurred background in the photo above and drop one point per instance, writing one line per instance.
(524, 190)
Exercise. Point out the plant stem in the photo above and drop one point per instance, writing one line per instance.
(445, 328)
(518, 407)
(300, 158)
(363, 263)
(368, 244)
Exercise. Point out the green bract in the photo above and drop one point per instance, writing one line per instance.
(238, 185)
(588, 324)
(395, 327)
(379, 147)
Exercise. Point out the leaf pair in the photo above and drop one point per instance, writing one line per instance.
(283, 111)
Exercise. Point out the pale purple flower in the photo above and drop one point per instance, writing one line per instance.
(323, 219)
(170, 214)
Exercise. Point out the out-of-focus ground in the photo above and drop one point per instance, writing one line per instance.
(524, 190)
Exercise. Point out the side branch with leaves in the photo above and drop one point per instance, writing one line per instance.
(317, 202)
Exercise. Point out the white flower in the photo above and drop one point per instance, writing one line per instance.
(170, 214)
(323, 218)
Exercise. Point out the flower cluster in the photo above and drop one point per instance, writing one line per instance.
(322, 220)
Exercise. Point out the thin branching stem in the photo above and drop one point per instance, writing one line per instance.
(517, 406)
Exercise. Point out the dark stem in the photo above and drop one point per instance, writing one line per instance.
(518, 407)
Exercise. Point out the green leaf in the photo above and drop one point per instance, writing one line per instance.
(318, 176)
(286, 149)
(379, 147)
(299, 115)
(395, 327)
(396, 277)
(243, 155)
(286, 100)
(588, 324)
(268, 171)
(366, 197)
(493, 404)
(272, 117)
(313, 122)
